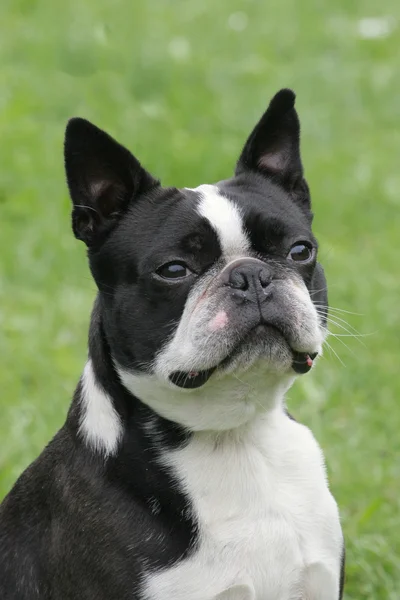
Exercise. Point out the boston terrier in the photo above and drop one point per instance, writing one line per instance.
(179, 474)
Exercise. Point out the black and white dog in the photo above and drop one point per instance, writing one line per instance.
(178, 474)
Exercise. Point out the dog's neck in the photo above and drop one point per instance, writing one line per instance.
(104, 413)
(109, 419)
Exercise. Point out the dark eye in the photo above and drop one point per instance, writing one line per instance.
(301, 252)
(174, 270)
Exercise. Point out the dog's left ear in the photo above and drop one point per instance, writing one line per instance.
(273, 147)
(103, 179)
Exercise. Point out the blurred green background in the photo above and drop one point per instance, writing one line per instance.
(182, 83)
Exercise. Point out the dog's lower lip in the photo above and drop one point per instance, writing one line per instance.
(303, 361)
(192, 379)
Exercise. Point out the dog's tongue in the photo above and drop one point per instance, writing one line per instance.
(302, 362)
(192, 379)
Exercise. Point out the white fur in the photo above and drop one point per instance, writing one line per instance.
(225, 218)
(100, 424)
(224, 402)
(269, 527)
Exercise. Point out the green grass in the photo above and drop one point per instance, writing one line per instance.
(182, 83)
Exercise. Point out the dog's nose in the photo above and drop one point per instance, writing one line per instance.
(250, 281)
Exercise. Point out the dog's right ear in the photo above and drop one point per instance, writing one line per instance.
(103, 178)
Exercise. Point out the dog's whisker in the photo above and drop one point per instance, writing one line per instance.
(342, 324)
(333, 318)
(107, 293)
(335, 353)
(101, 283)
(353, 335)
(88, 207)
(318, 291)
(347, 312)
(335, 309)
(342, 342)
(348, 333)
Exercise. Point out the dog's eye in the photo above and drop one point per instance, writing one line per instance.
(301, 252)
(174, 270)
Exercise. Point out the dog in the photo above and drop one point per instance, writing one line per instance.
(179, 474)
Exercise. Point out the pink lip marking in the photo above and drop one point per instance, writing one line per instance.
(219, 321)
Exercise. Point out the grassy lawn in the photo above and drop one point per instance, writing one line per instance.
(181, 83)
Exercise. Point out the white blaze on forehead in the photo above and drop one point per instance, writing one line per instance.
(225, 218)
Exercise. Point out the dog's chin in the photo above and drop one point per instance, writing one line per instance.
(263, 343)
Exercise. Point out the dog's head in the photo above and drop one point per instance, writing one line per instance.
(211, 298)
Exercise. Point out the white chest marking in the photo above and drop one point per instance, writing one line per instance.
(269, 527)
(100, 424)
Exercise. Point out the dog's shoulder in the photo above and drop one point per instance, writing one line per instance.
(25, 526)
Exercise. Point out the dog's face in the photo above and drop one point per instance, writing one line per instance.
(211, 298)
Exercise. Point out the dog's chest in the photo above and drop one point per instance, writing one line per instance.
(269, 527)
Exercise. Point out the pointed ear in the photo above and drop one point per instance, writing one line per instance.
(103, 178)
(273, 147)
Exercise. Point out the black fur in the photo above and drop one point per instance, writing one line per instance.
(77, 526)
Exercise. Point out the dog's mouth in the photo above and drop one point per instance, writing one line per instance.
(191, 379)
(302, 363)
